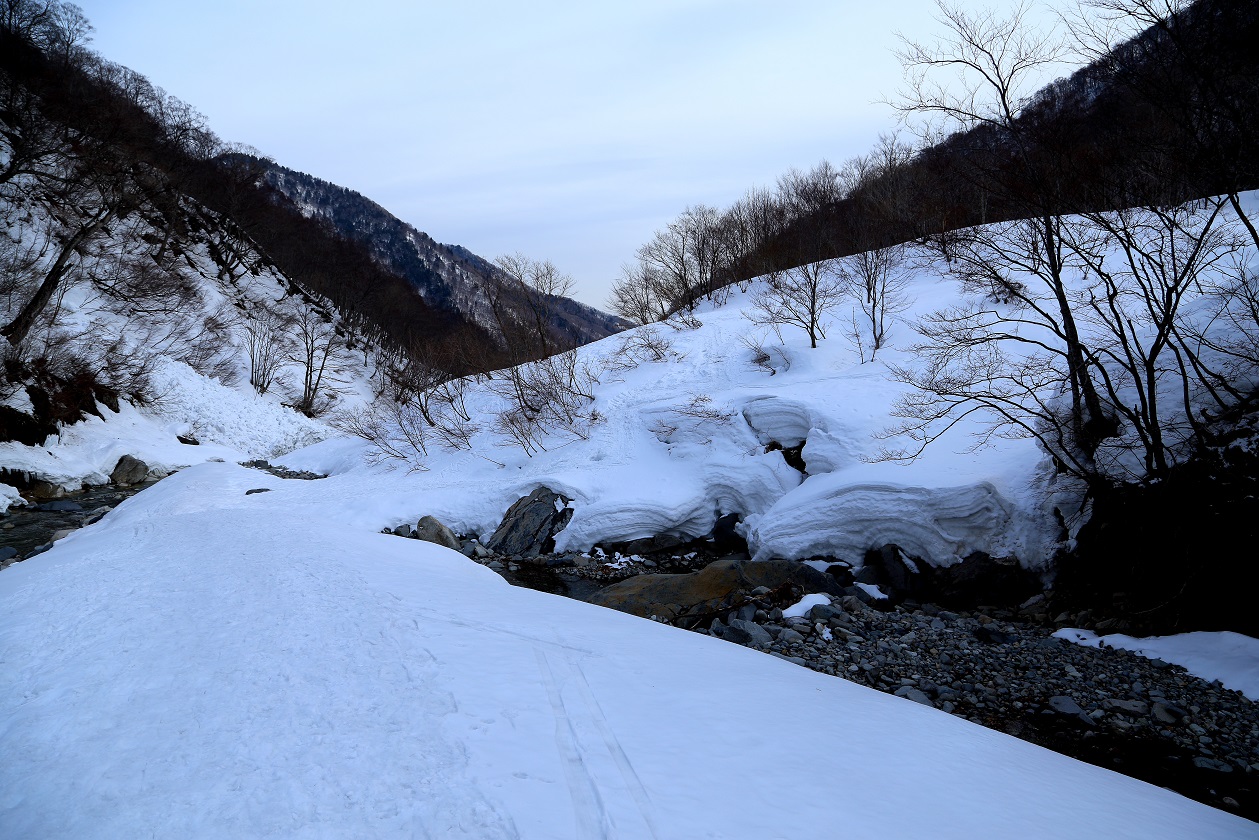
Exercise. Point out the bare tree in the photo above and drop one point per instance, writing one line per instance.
(638, 295)
(802, 297)
(538, 285)
(267, 344)
(990, 66)
(876, 280)
(316, 350)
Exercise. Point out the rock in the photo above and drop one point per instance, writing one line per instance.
(789, 637)
(530, 525)
(61, 506)
(39, 490)
(6, 552)
(257, 490)
(853, 603)
(981, 579)
(717, 588)
(842, 573)
(61, 534)
(725, 535)
(894, 570)
(909, 692)
(1165, 712)
(129, 470)
(403, 530)
(1205, 763)
(187, 440)
(1138, 708)
(988, 635)
(646, 545)
(1064, 705)
(432, 530)
(747, 632)
(977, 579)
(1038, 598)
(823, 612)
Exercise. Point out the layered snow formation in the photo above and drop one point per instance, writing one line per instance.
(206, 663)
(689, 437)
(1229, 657)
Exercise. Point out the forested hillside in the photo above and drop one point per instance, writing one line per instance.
(133, 235)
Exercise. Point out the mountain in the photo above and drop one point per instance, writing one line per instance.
(447, 277)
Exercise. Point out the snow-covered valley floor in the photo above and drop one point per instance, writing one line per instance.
(206, 663)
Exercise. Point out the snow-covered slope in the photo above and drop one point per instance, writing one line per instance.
(206, 663)
(679, 441)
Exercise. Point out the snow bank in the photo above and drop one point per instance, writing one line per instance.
(231, 424)
(1229, 657)
(202, 663)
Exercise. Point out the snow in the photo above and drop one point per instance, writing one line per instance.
(683, 441)
(873, 591)
(231, 424)
(203, 663)
(801, 608)
(1229, 657)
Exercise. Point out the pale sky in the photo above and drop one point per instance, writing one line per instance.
(569, 131)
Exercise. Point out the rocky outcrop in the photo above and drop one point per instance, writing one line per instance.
(530, 525)
(721, 585)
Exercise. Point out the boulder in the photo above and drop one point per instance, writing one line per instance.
(530, 525)
(431, 530)
(747, 633)
(909, 692)
(717, 588)
(129, 470)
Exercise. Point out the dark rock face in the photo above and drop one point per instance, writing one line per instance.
(530, 525)
(978, 579)
(129, 470)
(718, 587)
